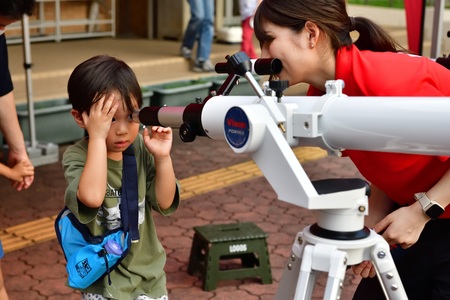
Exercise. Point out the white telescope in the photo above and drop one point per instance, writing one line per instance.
(268, 124)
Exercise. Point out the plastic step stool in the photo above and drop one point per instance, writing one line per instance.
(218, 242)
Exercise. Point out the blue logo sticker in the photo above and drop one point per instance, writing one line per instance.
(237, 127)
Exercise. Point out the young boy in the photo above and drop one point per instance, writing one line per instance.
(104, 92)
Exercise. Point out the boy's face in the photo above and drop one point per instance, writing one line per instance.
(123, 131)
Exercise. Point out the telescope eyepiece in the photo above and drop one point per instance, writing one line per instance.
(260, 66)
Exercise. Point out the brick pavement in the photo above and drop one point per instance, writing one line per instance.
(38, 272)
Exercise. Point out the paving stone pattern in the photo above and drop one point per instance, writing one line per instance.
(38, 272)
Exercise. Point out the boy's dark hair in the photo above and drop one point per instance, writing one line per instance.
(101, 76)
(16, 8)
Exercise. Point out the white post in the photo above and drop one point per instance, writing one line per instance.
(29, 81)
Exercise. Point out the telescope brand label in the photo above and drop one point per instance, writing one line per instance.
(237, 127)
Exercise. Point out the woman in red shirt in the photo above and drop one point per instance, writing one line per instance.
(312, 39)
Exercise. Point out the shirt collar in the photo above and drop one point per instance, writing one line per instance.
(344, 70)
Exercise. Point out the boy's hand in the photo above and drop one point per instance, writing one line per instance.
(98, 122)
(160, 141)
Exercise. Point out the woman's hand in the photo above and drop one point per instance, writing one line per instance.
(403, 226)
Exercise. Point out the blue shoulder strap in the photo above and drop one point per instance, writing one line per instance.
(130, 199)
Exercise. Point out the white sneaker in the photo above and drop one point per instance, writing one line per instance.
(203, 66)
(185, 52)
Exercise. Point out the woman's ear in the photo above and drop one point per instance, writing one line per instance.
(78, 118)
(313, 32)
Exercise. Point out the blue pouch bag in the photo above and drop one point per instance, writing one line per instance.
(88, 257)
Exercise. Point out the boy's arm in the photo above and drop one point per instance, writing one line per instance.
(5, 171)
(92, 185)
(93, 180)
(165, 182)
(159, 145)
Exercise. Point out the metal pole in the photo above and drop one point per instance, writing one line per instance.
(436, 39)
(27, 65)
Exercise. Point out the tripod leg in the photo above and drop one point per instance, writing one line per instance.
(307, 279)
(387, 272)
(286, 288)
(290, 278)
(321, 258)
(336, 274)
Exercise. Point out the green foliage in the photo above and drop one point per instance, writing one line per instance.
(178, 84)
(383, 3)
(391, 3)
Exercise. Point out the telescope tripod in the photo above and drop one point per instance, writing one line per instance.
(320, 250)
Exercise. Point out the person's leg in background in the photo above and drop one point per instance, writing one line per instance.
(192, 29)
(206, 35)
(247, 38)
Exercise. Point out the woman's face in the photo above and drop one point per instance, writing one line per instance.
(293, 49)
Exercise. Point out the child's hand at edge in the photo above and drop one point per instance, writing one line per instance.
(159, 142)
(21, 170)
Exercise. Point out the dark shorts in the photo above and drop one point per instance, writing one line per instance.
(2, 253)
(424, 268)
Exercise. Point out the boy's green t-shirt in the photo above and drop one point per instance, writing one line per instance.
(141, 272)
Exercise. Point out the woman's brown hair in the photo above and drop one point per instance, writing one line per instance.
(330, 16)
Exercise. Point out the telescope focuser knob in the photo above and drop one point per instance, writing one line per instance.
(278, 86)
(187, 133)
